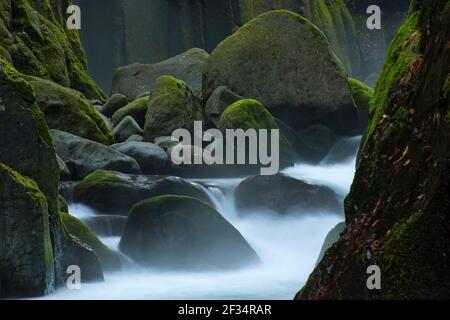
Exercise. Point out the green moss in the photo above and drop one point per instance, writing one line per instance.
(362, 93)
(398, 61)
(80, 230)
(247, 114)
(43, 47)
(68, 110)
(136, 109)
(101, 177)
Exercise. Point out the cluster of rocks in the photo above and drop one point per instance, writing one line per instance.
(261, 77)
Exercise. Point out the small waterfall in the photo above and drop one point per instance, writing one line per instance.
(288, 247)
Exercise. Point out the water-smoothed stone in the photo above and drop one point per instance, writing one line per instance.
(183, 233)
(126, 128)
(151, 158)
(284, 195)
(111, 192)
(84, 156)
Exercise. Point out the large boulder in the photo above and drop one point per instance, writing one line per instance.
(126, 128)
(137, 78)
(285, 62)
(26, 144)
(251, 114)
(220, 99)
(151, 158)
(174, 232)
(115, 193)
(68, 110)
(84, 156)
(26, 255)
(136, 109)
(284, 195)
(172, 106)
(110, 261)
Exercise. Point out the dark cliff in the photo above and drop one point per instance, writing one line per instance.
(398, 210)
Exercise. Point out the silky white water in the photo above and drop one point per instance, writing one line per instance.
(288, 247)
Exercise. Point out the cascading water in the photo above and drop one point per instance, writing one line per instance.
(288, 246)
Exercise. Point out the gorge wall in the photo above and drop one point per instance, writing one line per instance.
(398, 210)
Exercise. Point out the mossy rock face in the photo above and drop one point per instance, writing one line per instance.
(397, 209)
(136, 109)
(248, 114)
(172, 106)
(84, 156)
(28, 147)
(305, 84)
(331, 238)
(26, 256)
(362, 95)
(284, 195)
(174, 232)
(26, 144)
(5, 54)
(111, 192)
(35, 35)
(136, 79)
(68, 110)
(109, 260)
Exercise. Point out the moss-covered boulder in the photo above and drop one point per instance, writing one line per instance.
(115, 102)
(68, 110)
(136, 109)
(172, 106)
(285, 62)
(137, 78)
(110, 261)
(151, 158)
(5, 54)
(111, 192)
(26, 255)
(248, 114)
(174, 232)
(220, 99)
(284, 195)
(126, 128)
(362, 95)
(28, 147)
(39, 43)
(85, 156)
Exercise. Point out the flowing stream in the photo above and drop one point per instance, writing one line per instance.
(288, 247)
